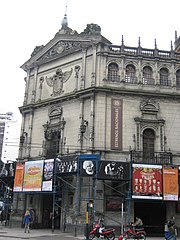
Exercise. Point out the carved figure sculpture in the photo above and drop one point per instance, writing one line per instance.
(57, 80)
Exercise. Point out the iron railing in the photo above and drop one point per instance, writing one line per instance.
(151, 158)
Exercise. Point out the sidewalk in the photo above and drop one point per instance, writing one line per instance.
(19, 233)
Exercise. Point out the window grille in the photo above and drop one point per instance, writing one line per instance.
(130, 74)
(113, 72)
(164, 77)
(148, 76)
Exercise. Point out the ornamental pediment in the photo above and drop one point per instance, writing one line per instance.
(60, 49)
(149, 105)
(54, 49)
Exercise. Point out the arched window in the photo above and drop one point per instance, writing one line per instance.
(148, 145)
(178, 78)
(130, 74)
(148, 76)
(164, 77)
(113, 72)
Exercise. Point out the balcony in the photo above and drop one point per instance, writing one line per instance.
(151, 158)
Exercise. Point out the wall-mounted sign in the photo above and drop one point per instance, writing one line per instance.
(18, 180)
(147, 181)
(170, 183)
(116, 170)
(48, 171)
(33, 171)
(116, 124)
(67, 164)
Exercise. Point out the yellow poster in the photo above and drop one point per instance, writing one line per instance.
(33, 176)
(18, 180)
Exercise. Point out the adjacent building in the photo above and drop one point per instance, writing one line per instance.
(87, 100)
(9, 137)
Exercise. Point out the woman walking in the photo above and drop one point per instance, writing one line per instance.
(26, 221)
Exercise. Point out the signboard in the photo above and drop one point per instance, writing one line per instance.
(88, 164)
(113, 170)
(116, 124)
(7, 169)
(170, 183)
(48, 170)
(147, 181)
(33, 175)
(67, 164)
(18, 180)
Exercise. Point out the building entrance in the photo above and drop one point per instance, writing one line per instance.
(153, 215)
(47, 211)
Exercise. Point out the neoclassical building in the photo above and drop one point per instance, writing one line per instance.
(88, 99)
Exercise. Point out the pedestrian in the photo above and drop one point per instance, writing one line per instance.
(26, 221)
(31, 212)
(172, 229)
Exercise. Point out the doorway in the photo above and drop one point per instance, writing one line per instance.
(47, 210)
(153, 215)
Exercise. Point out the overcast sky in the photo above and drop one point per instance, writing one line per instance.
(25, 24)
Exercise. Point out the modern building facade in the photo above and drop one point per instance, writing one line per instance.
(88, 98)
(9, 137)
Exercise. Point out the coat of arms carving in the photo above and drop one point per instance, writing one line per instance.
(57, 80)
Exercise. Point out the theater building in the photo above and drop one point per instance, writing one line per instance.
(109, 116)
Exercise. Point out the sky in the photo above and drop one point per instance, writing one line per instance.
(25, 24)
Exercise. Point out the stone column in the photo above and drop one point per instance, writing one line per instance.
(93, 75)
(84, 52)
(33, 98)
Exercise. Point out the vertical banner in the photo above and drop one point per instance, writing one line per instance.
(147, 181)
(170, 183)
(18, 180)
(116, 124)
(33, 175)
(48, 170)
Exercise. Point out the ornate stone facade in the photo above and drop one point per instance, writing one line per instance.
(70, 85)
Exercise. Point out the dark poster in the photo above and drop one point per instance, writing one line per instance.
(88, 168)
(67, 164)
(116, 124)
(113, 170)
(48, 170)
(7, 169)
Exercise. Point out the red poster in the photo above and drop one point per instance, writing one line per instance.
(18, 180)
(147, 181)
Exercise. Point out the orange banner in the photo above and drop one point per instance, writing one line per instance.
(18, 180)
(33, 175)
(170, 183)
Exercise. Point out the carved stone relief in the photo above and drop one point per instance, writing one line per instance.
(57, 80)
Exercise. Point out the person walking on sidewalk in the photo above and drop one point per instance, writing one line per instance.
(26, 221)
